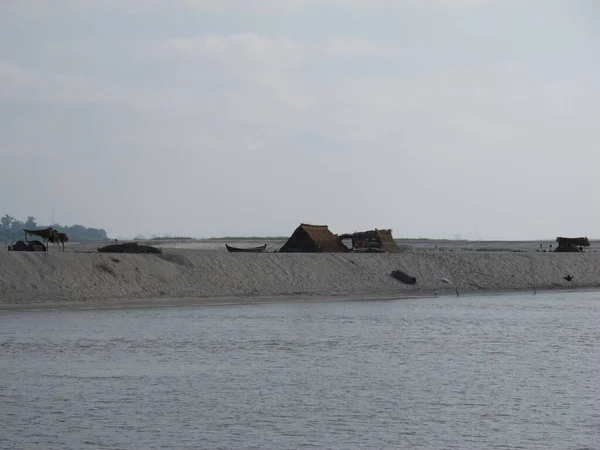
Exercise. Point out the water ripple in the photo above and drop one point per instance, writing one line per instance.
(467, 373)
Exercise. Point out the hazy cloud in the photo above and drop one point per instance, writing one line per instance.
(189, 118)
(294, 6)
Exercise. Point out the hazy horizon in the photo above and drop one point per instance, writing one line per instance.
(202, 118)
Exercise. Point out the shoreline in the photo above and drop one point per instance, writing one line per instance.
(75, 280)
(198, 302)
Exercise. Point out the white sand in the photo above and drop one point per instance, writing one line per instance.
(198, 276)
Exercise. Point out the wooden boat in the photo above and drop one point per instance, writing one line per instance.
(258, 249)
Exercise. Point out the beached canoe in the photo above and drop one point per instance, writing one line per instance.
(258, 249)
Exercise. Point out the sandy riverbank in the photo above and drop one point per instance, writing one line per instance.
(179, 276)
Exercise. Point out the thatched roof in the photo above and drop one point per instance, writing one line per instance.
(50, 234)
(58, 238)
(387, 241)
(378, 240)
(577, 242)
(45, 233)
(313, 238)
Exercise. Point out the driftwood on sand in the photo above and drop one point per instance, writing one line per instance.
(403, 277)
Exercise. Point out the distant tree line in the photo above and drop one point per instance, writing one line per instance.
(11, 229)
(166, 237)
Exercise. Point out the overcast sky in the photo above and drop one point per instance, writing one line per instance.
(247, 117)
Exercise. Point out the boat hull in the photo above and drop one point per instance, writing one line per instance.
(258, 249)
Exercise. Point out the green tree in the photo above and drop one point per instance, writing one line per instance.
(16, 226)
(30, 223)
(12, 229)
(6, 221)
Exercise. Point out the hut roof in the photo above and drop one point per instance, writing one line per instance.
(578, 241)
(381, 239)
(45, 233)
(387, 241)
(320, 235)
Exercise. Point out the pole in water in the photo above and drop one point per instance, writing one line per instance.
(533, 276)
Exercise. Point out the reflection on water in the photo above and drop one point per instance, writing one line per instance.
(465, 373)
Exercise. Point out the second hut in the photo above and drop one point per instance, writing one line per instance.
(373, 241)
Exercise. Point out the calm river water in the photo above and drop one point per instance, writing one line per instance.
(466, 373)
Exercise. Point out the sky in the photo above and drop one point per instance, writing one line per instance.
(436, 118)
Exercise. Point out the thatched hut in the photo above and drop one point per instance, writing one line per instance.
(47, 235)
(373, 241)
(573, 245)
(309, 238)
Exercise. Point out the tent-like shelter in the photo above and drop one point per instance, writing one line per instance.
(309, 238)
(47, 235)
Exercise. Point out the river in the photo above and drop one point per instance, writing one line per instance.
(475, 372)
